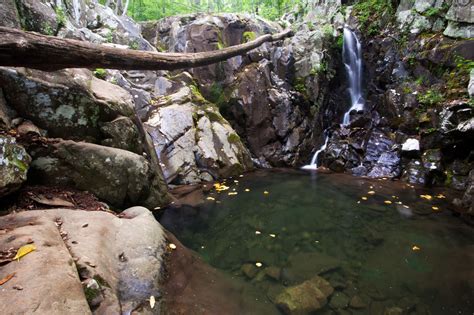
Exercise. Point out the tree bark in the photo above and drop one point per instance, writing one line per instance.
(33, 50)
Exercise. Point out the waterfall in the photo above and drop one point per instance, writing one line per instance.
(352, 58)
(314, 161)
(76, 8)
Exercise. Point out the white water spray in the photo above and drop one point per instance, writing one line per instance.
(352, 58)
(314, 161)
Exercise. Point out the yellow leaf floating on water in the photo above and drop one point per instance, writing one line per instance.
(371, 192)
(363, 198)
(388, 202)
(232, 193)
(265, 192)
(22, 251)
(435, 208)
(415, 248)
(211, 198)
(247, 190)
(258, 264)
(441, 196)
(152, 301)
(427, 197)
(220, 187)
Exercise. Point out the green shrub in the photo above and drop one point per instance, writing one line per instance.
(100, 73)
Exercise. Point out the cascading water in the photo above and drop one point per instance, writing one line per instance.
(352, 58)
(76, 8)
(314, 161)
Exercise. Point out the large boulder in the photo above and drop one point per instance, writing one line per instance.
(74, 269)
(73, 104)
(201, 146)
(38, 16)
(14, 164)
(9, 14)
(117, 176)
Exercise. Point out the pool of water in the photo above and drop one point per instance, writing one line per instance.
(393, 245)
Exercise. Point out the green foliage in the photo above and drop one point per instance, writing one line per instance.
(144, 10)
(110, 37)
(339, 42)
(327, 30)
(100, 73)
(431, 97)
(300, 85)
(370, 14)
(248, 36)
(47, 29)
(134, 45)
(60, 16)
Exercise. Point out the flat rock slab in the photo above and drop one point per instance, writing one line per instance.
(122, 255)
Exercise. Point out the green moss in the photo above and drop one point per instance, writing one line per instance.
(197, 96)
(430, 97)
(100, 73)
(91, 294)
(248, 36)
(214, 117)
(300, 86)
(233, 138)
(370, 14)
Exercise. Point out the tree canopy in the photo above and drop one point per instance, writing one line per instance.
(143, 10)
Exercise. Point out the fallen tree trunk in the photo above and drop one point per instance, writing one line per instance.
(33, 50)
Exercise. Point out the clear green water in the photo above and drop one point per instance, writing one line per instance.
(417, 258)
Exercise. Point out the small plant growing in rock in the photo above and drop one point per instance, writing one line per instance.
(431, 97)
(60, 16)
(248, 36)
(100, 73)
(134, 45)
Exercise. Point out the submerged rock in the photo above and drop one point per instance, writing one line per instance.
(302, 265)
(14, 164)
(306, 297)
(339, 300)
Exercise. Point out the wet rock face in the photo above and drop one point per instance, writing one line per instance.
(274, 127)
(369, 153)
(256, 92)
(14, 164)
(119, 177)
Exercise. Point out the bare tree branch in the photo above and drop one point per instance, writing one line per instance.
(33, 50)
